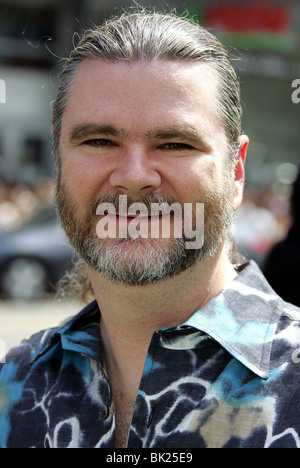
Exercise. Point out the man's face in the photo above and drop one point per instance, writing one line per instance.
(144, 130)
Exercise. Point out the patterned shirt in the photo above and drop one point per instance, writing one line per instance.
(228, 377)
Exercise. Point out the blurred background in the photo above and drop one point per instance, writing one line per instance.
(264, 40)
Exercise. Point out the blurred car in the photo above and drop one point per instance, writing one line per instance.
(33, 258)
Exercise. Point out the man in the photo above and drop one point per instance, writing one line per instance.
(180, 348)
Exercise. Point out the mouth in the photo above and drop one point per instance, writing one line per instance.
(136, 220)
(133, 226)
(137, 216)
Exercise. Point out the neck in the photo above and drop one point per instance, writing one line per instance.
(131, 314)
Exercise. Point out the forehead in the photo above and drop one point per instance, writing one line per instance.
(143, 93)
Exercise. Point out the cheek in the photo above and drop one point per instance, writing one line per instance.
(76, 186)
(83, 179)
(198, 178)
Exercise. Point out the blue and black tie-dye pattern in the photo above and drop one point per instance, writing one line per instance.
(228, 377)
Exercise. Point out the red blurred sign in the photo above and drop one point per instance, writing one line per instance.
(234, 16)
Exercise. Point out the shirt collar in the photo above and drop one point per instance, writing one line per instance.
(242, 318)
(80, 334)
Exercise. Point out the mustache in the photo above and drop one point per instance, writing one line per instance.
(147, 200)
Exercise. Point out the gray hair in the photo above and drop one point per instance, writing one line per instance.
(152, 37)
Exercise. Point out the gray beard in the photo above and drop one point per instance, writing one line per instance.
(138, 261)
(143, 261)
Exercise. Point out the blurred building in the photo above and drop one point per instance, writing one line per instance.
(26, 64)
(264, 37)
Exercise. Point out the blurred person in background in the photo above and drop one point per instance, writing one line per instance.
(20, 202)
(282, 264)
(179, 347)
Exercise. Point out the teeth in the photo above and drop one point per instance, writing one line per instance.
(134, 216)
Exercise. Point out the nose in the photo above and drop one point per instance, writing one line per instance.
(135, 174)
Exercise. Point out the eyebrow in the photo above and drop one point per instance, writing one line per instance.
(82, 131)
(185, 133)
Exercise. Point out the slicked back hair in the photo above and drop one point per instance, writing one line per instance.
(153, 37)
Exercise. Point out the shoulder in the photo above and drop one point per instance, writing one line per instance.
(285, 356)
(18, 360)
(288, 330)
(290, 318)
(15, 372)
(23, 357)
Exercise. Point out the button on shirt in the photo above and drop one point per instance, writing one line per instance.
(228, 377)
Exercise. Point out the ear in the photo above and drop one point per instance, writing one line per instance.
(240, 172)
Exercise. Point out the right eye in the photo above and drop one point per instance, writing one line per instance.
(98, 142)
